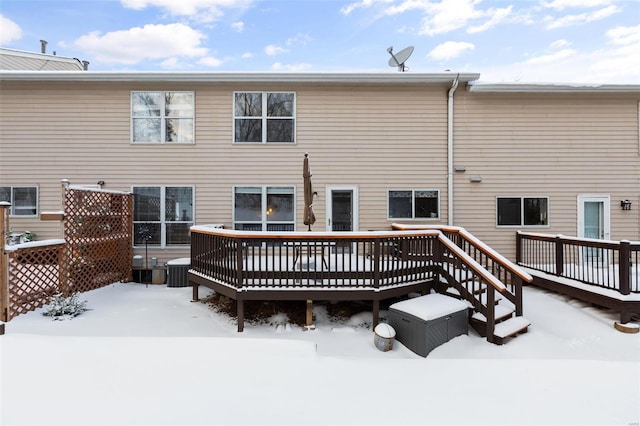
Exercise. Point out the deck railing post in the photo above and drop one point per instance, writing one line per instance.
(437, 259)
(239, 253)
(559, 255)
(491, 313)
(376, 262)
(518, 293)
(518, 248)
(625, 267)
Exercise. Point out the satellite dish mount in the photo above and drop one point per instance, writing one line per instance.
(399, 59)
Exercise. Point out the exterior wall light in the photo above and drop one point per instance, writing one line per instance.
(475, 179)
(625, 204)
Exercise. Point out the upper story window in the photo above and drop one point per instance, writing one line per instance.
(414, 204)
(162, 117)
(264, 117)
(162, 215)
(522, 211)
(264, 208)
(23, 199)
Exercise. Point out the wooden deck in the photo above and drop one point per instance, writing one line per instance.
(368, 266)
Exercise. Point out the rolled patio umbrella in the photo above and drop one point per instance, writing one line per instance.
(309, 216)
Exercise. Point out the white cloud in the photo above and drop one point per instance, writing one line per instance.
(346, 10)
(442, 16)
(299, 39)
(238, 26)
(551, 58)
(143, 43)
(247, 55)
(450, 50)
(617, 63)
(448, 15)
(210, 61)
(624, 35)
(582, 18)
(170, 63)
(273, 50)
(567, 4)
(496, 16)
(290, 67)
(9, 31)
(200, 10)
(559, 44)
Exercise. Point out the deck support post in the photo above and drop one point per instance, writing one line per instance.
(309, 322)
(240, 314)
(194, 296)
(376, 312)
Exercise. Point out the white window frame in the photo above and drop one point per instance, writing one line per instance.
(163, 118)
(263, 221)
(413, 204)
(12, 210)
(522, 213)
(163, 222)
(264, 117)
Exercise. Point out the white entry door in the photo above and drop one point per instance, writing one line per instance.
(594, 216)
(342, 208)
(594, 222)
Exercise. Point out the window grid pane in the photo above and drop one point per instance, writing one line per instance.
(162, 117)
(274, 120)
(164, 213)
(400, 205)
(535, 211)
(270, 208)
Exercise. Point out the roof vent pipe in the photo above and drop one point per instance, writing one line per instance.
(85, 65)
(43, 46)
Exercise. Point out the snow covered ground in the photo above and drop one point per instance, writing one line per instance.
(146, 355)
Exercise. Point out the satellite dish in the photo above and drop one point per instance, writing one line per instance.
(398, 59)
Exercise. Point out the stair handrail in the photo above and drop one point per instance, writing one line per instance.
(494, 255)
(471, 262)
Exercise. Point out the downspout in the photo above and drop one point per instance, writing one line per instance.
(452, 90)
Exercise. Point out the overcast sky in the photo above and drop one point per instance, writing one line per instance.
(572, 41)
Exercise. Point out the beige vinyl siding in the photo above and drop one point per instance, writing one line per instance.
(555, 145)
(374, 136)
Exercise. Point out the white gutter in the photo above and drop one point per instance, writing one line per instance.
(454, 86)
(235, 77)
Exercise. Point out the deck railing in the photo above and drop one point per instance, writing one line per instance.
(607, 264)
(312, 260)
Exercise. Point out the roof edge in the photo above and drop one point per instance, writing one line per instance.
(476, 86)
(151, 76)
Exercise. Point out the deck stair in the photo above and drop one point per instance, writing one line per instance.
(506, 323)
(492, 285)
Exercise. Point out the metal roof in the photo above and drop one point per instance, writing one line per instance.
(19, 60)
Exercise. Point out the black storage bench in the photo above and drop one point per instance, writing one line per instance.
(426, 322)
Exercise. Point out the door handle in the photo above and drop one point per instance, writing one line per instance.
(329, 221)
